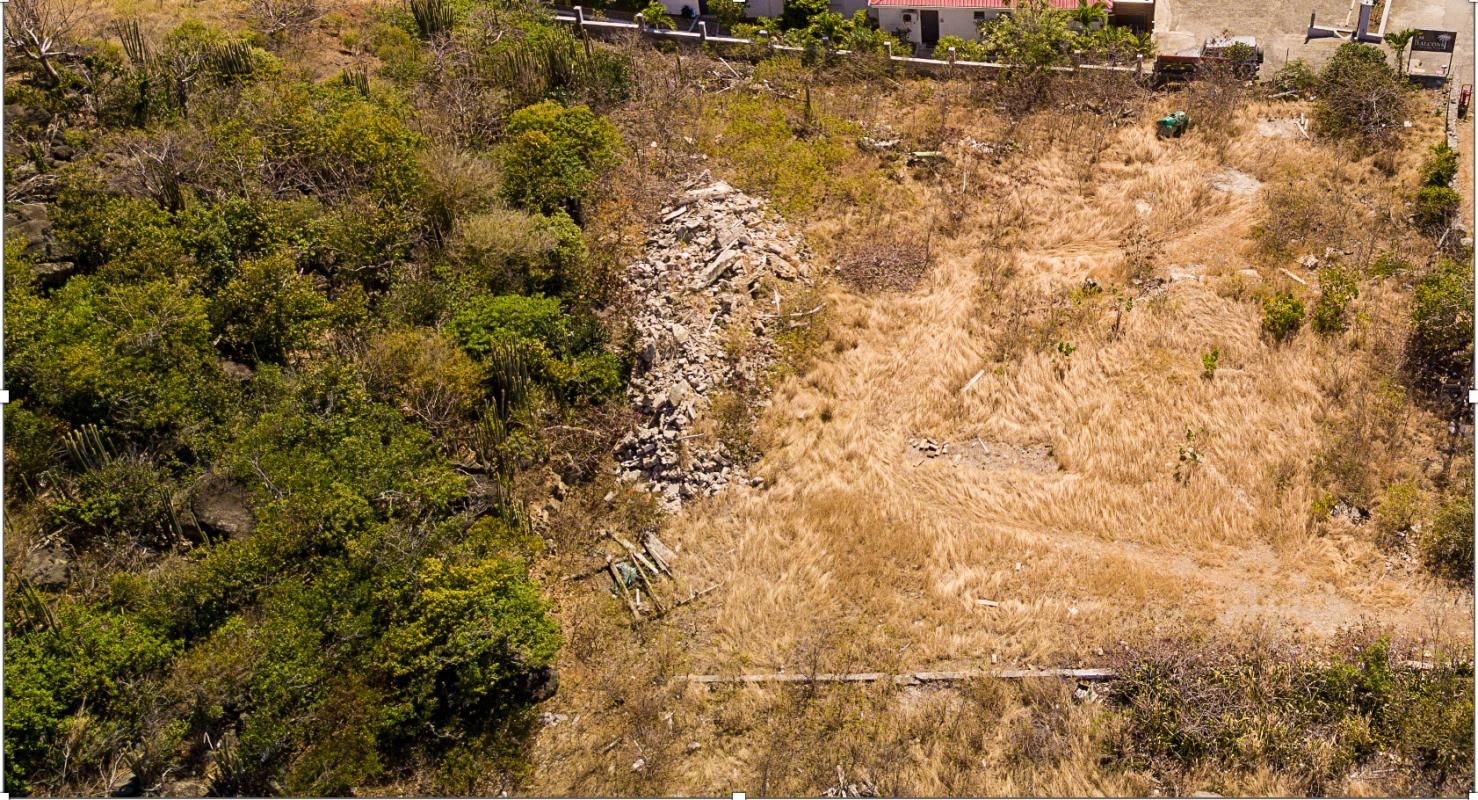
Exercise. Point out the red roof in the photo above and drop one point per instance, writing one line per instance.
(1065, 5)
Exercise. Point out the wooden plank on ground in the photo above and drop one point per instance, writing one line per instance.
(908, 678)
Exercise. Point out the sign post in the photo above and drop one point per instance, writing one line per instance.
(1434, 42)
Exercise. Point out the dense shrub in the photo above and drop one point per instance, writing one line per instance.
(1295, 76)
(1435, 205)
(264, 266)
(121, 500)
(1282, 314)
(268, 310)
(77, 672)
(425, 375)
(1193, 708)
(553, 155)
(137, 356)
(1440, 167)
(1361, 97)
(1447, 544)
(505, 250)
(1441, 346)
(1337, 288)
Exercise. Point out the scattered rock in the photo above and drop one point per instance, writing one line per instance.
(1234, 181)
(703, 263)
(1349, 512)
(236, 371)
(52, 274)
(541, 684)
(1186, 272)
(877, 145)
(48, 568)
(989, 455)
(220, 506)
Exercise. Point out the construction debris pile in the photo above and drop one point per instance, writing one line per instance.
(703, 266)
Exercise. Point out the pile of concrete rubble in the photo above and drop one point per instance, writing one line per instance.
(703, 266)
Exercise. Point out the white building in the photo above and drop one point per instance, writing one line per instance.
(924, 22)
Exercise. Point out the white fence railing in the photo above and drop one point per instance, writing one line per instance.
(701, 36)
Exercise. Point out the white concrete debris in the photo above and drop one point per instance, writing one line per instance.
(703, 265)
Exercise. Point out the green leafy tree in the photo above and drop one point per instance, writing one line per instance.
(1360, 97)
(553, 155)
(1398, 41)
(655, 14)
(1034, 34)
(799, 13)
(728, 13)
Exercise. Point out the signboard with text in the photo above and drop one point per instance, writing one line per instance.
(1434, 42)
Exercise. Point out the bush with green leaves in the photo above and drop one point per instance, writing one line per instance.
(1447, 543)
(655, 15)
(1360, 97)
(126, 499)
(799, 13)
(507, 250)
(1434, 206)
(74, 685)
(333, 141)
(1441, 166)
(268, 310)
(1440, 350)
(137, 356)
(1282, 314)
(553, 154)
(1338, 287)
(1295, 77)
(964, 49)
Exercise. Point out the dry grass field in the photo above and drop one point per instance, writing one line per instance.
(1169, 501)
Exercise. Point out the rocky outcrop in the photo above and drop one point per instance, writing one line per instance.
(703, 265)
(32, 223)
(221, 507)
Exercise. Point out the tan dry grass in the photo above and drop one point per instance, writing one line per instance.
(860, 555)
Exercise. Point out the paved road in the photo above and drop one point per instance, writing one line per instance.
(1447, 15)
(1280, 24)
